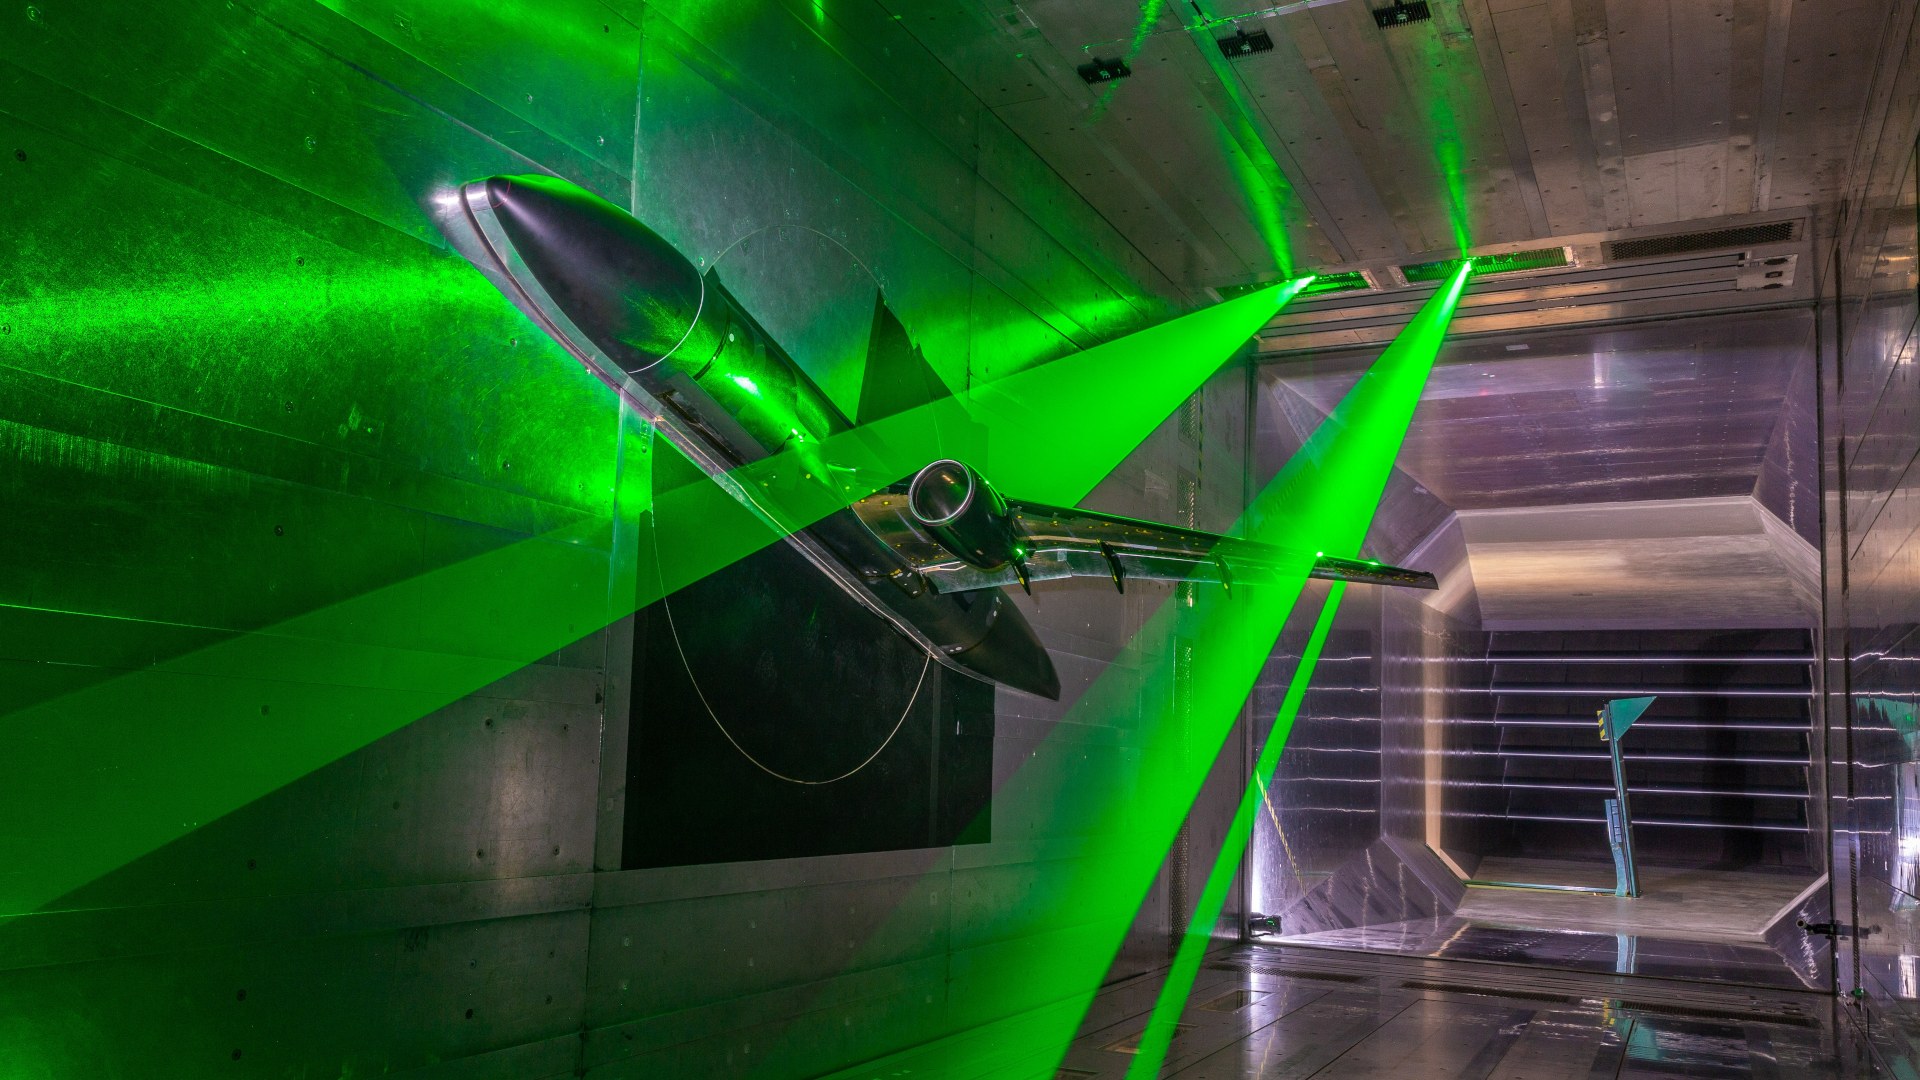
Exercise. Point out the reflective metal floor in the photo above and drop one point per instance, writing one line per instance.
(1712, 905)
(1715, 926)
(1272, 1012)
(1633, 954)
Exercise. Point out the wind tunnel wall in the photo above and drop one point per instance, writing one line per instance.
(1429, 725)
(246, 382)
(1378, 735)
(1870, 647)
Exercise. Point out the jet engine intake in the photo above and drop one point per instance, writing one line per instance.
(955, 504)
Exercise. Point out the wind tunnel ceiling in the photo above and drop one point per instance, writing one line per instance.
(1529, 124)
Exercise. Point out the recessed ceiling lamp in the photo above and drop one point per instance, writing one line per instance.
(1401, 13)
(1244, 44)
(1099, 71)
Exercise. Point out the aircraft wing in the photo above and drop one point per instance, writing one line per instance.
(1067, 543)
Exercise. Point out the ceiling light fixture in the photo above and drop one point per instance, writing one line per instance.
(1244, 44)
(1100, 71)
(1401, 13)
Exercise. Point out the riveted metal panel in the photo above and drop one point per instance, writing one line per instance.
(422, 129)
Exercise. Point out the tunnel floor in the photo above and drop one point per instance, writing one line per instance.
(1273, 1012)
(1716, 926)
(1715, 905)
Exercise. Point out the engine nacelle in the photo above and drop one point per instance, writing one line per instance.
(952, 501)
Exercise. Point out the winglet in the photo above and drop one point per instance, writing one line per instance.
(1622, 712)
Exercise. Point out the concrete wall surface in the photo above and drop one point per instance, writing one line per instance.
(314, 649)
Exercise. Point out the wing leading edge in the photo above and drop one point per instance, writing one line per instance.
(1067, 543)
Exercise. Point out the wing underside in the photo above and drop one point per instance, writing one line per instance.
(1070, 543)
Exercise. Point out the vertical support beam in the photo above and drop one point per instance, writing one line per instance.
(1433, 737)
(1493, 70)
(1603, 108)
(1773, 80)
(1615, 718)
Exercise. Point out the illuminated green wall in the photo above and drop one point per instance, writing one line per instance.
(288, 475)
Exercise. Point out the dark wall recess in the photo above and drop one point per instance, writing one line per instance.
(774, 718)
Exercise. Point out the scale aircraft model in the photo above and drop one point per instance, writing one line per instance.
(930, 553)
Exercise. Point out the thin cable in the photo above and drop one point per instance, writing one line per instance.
(667, 602)
(925, 663)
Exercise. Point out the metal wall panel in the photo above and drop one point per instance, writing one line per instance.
(1323, 805)
(1869, 447)
(244, 380)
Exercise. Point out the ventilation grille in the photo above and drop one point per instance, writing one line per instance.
(1485, 991)
(1484, 265)
(1288, 973)
(1695, 1012)
(1234, 1000)
(1190, 421)
(1347, 281)
(1351, 281)
(1131, 1044)
(1653, 247)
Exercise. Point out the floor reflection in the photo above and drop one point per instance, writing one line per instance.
(1268, 1012)
(1627, 954)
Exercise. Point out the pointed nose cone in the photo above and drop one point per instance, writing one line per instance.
(576, 255)
(1011, 654)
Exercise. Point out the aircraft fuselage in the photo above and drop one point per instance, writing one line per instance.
(714, 383)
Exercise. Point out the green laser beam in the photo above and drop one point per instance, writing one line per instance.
(1046, 957)
(1213, 896)
(1270, 199)
(1422, 339)
(106, 773)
